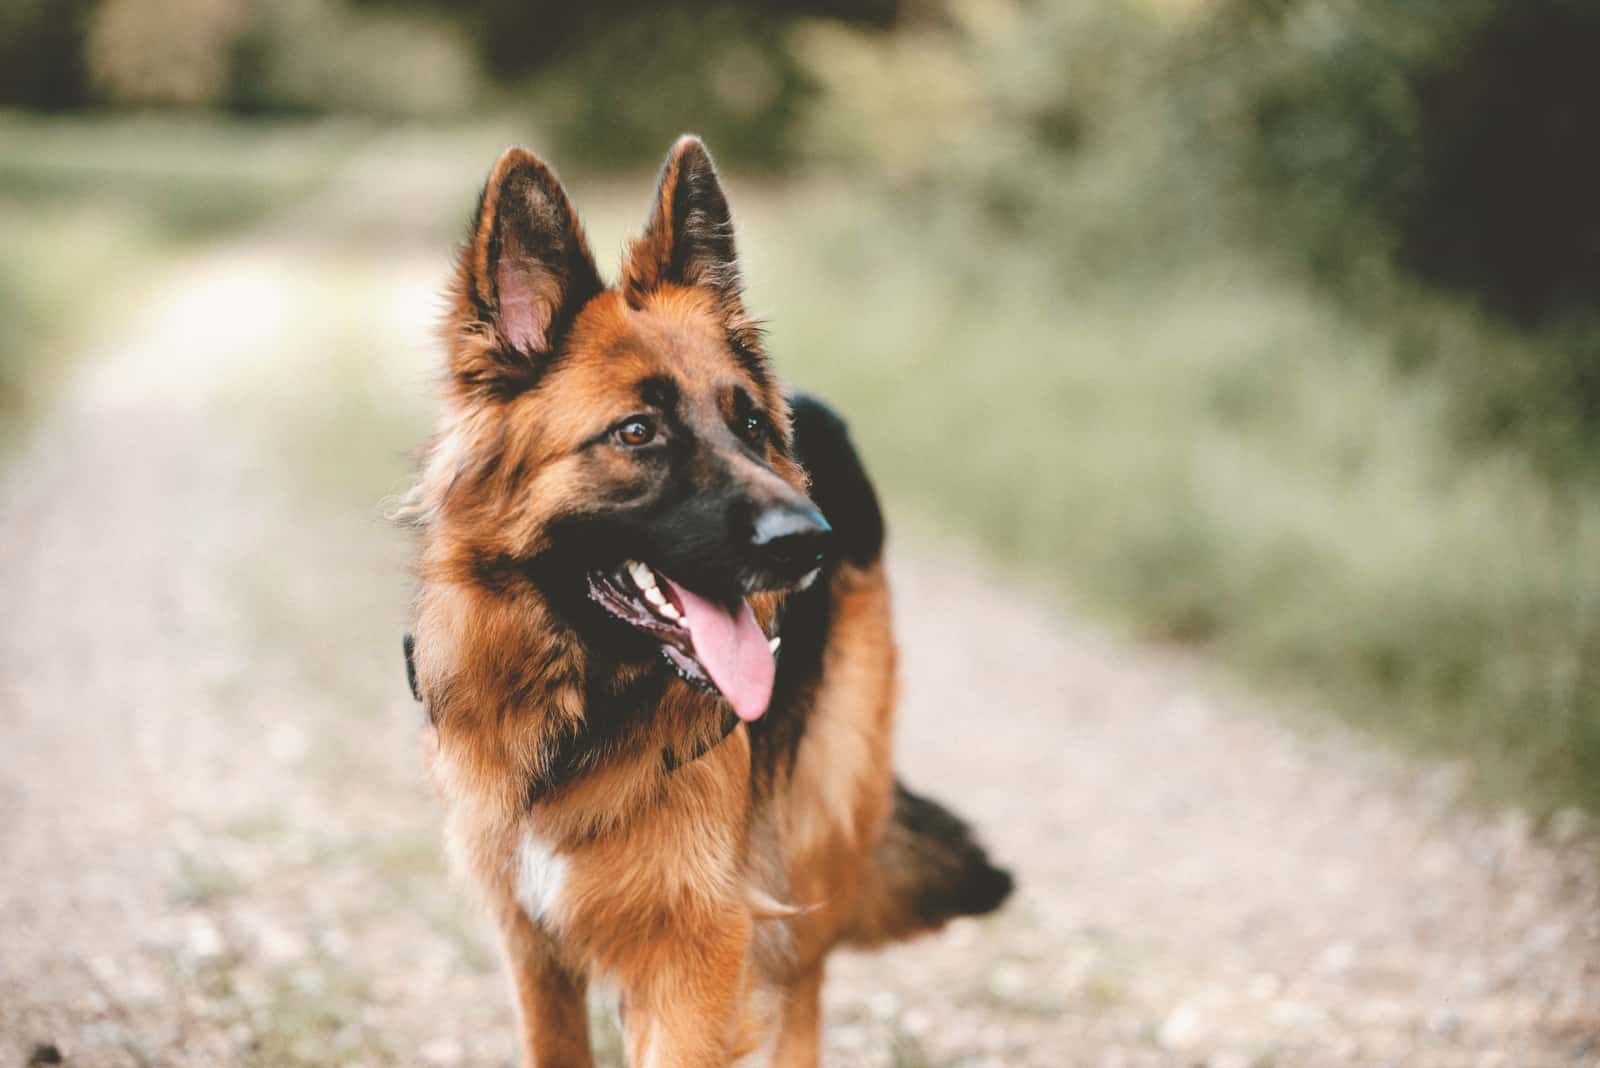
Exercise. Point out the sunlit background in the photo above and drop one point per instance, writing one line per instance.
(1231, 369)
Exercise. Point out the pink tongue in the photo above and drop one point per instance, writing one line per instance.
(732, 649)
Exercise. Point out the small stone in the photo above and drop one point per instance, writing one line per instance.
(202, 938)
(1568, 827)
(849, 1037)
(1337, 958)
(1229, 1060)
(441, 1050)
(45, 1053)
(1299, 1016)
(1182, 1029)
(1265, 986)
(1008, 982)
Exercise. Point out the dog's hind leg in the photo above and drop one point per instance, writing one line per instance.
(551, 1008)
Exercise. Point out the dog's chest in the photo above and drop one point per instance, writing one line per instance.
(541, 877)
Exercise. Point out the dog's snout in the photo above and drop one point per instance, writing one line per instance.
(791, 538)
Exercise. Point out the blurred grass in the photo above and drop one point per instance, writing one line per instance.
(91, 207)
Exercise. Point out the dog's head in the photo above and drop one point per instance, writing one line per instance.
(625, 450)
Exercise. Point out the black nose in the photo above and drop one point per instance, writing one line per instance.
(790, 538)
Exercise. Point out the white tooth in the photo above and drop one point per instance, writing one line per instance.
(670, 610)
(654, 595)
(773, 644)
(809, 577)
(642, 575)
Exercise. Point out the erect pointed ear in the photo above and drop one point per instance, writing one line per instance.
(688, 240)
(525, 274)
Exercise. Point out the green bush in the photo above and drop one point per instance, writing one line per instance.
(312, 56)
(1456, 131)
(1446, 142)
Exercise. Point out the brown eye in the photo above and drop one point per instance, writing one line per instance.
(752, 428)
(635, 431)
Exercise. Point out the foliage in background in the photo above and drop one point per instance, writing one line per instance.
(610, 81)
(1202, 382)
(521, 37)
(1456, 132)
(1427, 162)
(41, 54)
(1447, 143)
(248, 56)
(622, 94)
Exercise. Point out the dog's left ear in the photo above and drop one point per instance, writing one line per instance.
(526, 272)
(688, 240)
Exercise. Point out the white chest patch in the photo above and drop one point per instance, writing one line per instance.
(541, 872)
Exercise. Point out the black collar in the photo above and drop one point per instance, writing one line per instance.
(670, 760)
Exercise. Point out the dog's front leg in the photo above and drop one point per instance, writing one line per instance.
(685, 1007)
(551, 1008)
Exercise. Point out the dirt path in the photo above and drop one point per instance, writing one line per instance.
(215, 847)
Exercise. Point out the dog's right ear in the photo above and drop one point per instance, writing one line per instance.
(524, 275)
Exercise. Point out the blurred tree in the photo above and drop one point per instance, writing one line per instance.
(294, 56)
(1508, 198)
(1461, 131)
(159, 52)
(311, 56)
(1400, 151)
(41, 53)
(629, 88)
(612, 81)
(1453, 138)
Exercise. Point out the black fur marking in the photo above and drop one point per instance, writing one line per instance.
(840, 488)
(669, 757)
(499, 572)
(750, 358)
(409, 644)
(659, 391)
(952, 874)
(611, 726)
(839, 484)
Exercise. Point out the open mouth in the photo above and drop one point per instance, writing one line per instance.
(717, 647)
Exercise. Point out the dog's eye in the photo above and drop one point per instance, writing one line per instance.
(752, 428)
(635, 431)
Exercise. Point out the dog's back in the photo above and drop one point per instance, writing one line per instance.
(869, 859)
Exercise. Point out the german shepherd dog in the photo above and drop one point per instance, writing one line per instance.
(652, 636)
